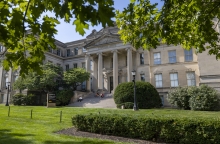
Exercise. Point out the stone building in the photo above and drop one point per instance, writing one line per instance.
(110, 63)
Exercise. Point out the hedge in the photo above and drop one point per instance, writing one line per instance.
(146, 95)
(161, 129)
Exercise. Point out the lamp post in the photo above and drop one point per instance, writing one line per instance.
(135, 108)
(8, 89)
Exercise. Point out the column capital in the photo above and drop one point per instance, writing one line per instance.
(99, 53)
(128, 48)
(87, 55)
(113, 51)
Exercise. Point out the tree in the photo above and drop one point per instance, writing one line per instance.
(75, 77)
(19, 84)
(45, 82)
(187, 23)
(25, 49)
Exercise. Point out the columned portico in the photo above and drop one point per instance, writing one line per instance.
(129, 64)
(115, 68)
(87, 58)
(100, 73)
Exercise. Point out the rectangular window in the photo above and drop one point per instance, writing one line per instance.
(142, 77)
(188, 55)
(83, 86)
(58, 52)
(75, 65)
(1, 48)
(68, 52)
(142, 58)
(174, 79)
(172, 56)
(162, 99)
(67, 67)
(83, 65)
(157, 58)
(76, 51)
(191, 79)
(158, 80)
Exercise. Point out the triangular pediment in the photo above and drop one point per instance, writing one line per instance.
(105, 39)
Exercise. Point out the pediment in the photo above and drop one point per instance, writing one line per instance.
(105, 39)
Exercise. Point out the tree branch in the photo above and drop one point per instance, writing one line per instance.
(24, 27)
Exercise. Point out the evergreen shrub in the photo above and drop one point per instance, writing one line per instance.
(146, 95)
(18, 99)
(154, 128)
(63, 97)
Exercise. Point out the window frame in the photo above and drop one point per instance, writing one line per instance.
(187, 54)
(141, 58)
(67, 66)
(192, 72)
(68, 53)
(76, 51)
(174, 80)
(157, 58)
(158, 81)
(75, 65)
(142, 77)
(171, 56)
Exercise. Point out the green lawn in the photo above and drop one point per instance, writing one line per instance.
(19, 128)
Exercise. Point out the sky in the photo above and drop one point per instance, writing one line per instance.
(67, 33)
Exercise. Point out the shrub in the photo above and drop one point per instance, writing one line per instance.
(63, 97)
(147, 96)
(179, 97)
(18, 99)
(127, 105)
(204, 98)
(163, 129)
(29, 99)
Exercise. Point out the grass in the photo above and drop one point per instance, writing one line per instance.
(19, 128)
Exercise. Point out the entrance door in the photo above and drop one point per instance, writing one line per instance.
(111, 83)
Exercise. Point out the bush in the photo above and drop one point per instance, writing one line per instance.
(163, 129)
(18, 99)
(63, 97)
(204, 98)
(179, 97)
(127, 105)
(147, 96)
(29, 99)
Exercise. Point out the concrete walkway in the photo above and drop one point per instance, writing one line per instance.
(96, 102)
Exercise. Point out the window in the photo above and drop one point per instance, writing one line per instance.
(83, 65)
(174, 79)
(75, 65)
(157, 59)
(126, 61)
(76, 51)
(68, 52)
(58, 52)
(172, 56)
(188, 55)
(191, 80)
(67, 67)
(119, 79)
(162, 99)
(1, 48)
(158, 80)
(142, 58)
(142, 77)
(83, 86)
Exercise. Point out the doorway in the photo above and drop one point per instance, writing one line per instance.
(111, 83)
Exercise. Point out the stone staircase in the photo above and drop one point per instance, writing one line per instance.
(92, 101)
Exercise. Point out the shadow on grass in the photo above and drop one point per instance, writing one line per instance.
(6, 137)
(82, 142)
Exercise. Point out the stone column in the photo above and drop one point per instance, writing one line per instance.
(129, 63)
(87, 58)
(95, 75)
(100, 74)
(115, 69)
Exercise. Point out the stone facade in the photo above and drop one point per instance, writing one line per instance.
(110, 62)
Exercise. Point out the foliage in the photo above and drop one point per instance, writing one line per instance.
(127, 105)
(165, 129)
(19, 84)
(25, 48)
(21, 99)
(204, 98)
(179, 97)
(75, 77)
(45, 82)
(146, 95)
(186, 23)
(18, 99)
(63, 97)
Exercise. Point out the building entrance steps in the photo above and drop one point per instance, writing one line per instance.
(93, 101)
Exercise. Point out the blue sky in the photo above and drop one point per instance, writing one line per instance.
(67, 33)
